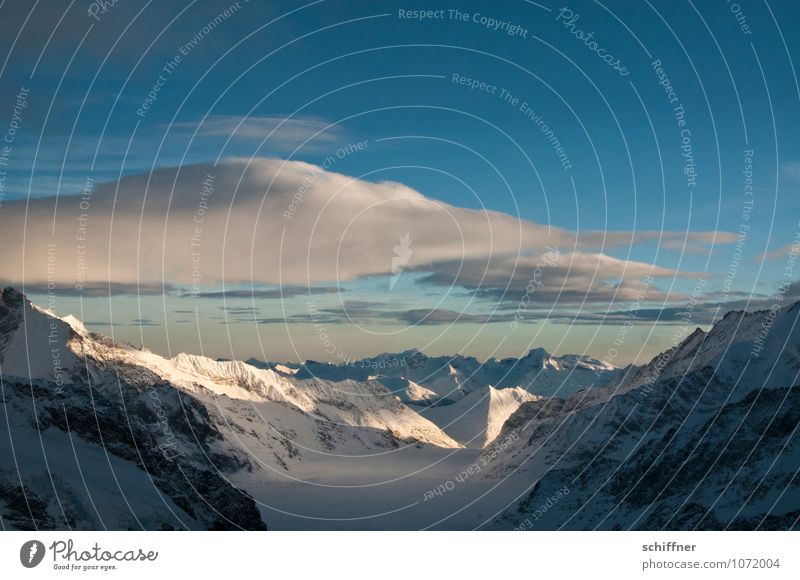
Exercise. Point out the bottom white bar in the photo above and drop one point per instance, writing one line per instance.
(381, 555)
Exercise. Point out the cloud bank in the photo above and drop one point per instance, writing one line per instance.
(289, 223)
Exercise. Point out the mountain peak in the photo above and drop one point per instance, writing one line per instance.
(538, 352)
(13, 298)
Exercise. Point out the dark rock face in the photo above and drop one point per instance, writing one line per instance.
(703, 446)
(12, 298)
(184, 468)
(11, 303)
(163, 435)
(710, 443)
(711, 476)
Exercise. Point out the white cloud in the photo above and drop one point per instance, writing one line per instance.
(284, 133)
(778, 253)
(791, 171)
(277, 222)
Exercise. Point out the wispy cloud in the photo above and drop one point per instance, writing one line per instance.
(420, 316)
(267, 293)
(371, 312)
(144, 322)
(283, 133)
(778, 253)
(790, 171)
(94, 289)
(295, 229)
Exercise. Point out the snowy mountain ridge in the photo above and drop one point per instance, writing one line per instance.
(450, 378)
(701, 437)
(201, 417)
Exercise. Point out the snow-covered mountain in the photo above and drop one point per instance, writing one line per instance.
(477, 419)
(467, 399)
(99, 434)
(178, 429)
(705, 436)
(94, 443)
(420, 379)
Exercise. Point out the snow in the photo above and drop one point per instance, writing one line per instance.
(39, 347)
(476, 420)
(362, 446)
(98, 489)
(419, 394)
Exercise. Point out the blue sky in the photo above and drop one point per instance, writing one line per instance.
(300, 81)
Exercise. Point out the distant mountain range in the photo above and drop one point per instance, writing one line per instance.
(97, 434)
(467, 399)
(703, 437)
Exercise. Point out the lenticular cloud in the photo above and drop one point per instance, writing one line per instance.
(287, 222)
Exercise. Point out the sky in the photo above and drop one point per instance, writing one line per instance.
(336, 179)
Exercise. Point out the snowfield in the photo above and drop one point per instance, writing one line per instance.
(98, 434)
